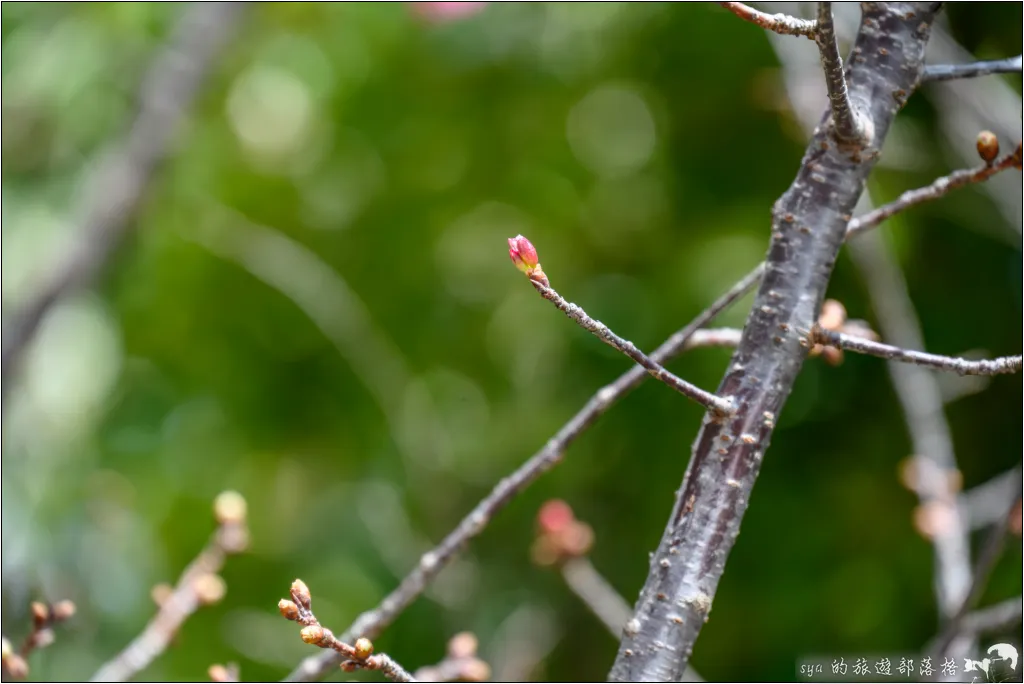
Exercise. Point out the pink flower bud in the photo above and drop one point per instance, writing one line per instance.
(523, 253)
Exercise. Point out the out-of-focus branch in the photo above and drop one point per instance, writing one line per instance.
(848, 123)
(1001, 616)
(808, 228)
(14, 662)
(112, 193)
(991, 549)
(779, 23)
(985, 504)
(948, 72)
(359, 655)
(460, 663)
(199, 585)
(1005, 364)
(372, 622)
(935, 190)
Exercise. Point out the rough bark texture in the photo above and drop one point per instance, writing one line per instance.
(808, 225)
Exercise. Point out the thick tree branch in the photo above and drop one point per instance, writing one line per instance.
(808, 227)
(1000, 366)
(948, 72)
(112, 194)
(371, 623)
(605, 334)
(779, 23)
(848, 123)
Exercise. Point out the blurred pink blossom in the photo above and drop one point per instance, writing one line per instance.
(443, 12)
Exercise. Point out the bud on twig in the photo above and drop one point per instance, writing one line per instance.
(288, 609)
(313, 634)
(300, 594)
(363, 648)
(524, 256)
(988, 146)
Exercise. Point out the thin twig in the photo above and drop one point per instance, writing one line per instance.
(605, 334)
(14, 662)
(779, 23)
(460, 663)
(113, 192)
(359, 655)
(371, 623)
(991, 549)
(948, 72)
(935, 190)
(199, 585)
(848, 126)
(999, 366)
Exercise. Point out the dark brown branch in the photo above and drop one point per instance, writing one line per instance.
(935, 190)
(779, 23)
(808, 227)
(372, 623)
(112, 194)
(199, 585)
(605, 334)
(846, 120)
(1002, 365)
(948, 72)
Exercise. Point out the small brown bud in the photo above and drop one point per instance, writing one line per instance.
(16, 666)
(40, 613)
(313, 634)
(63, 610)
(43, 637)
(210, 588)
(463, 645)
(349, 666)
(230, 508)
(363, 648)
(288, 609)
(988, 146)
(300, 594)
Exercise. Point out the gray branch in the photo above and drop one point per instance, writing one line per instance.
(948, 72)
(808, 227)
(1000, 366)
(111, 196)
(779, 23)
(848, 123)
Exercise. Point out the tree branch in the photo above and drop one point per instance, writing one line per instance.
(935, 190)
(948, 72)
(371, 623)
(112, 193)
(1001, 616)
(605, 334)
(808, 227)
(848, 124)
(199, 585)
(999, 366)
(779, 23)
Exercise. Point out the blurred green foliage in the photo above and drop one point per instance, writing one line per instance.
(316, 308)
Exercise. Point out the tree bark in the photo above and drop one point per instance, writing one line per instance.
(808, 225)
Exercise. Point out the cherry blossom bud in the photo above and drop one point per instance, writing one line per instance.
(288, 609)
(363, 648)
(523, 253)
(988, 146)
(313, 634)
(554, 516)
(300, 594)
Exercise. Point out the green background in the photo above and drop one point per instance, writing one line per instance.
(316, 308)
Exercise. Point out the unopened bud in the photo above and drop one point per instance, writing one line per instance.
(40, 613)
(63, 610)
(313, 634)
(5, 649)
(230, 508)
(288, 609)
(349, 666)
(363, 648)
(210, 588)
(988, 146)
(300, 594)
(524, 256)
(219, 673)
(833, 315)
(16, 666)
(554, 516)
(463, 645)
